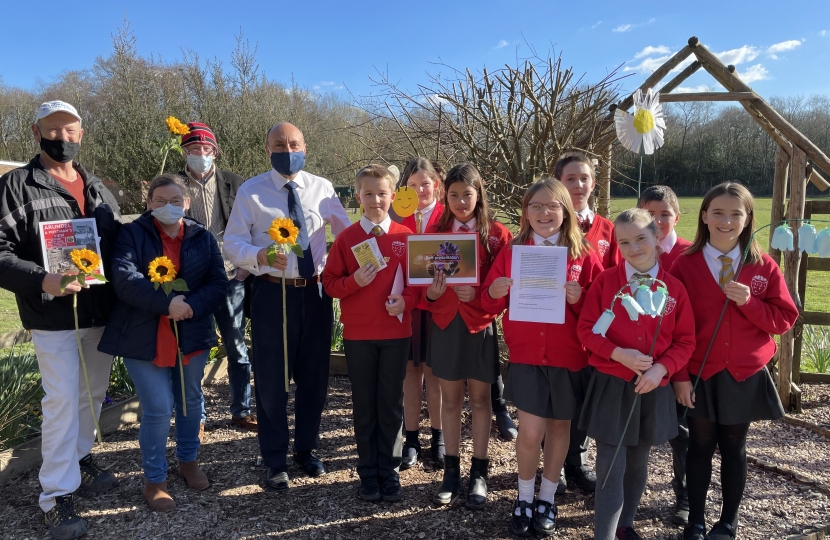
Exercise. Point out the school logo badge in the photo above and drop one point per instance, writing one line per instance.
(398, 248)
(576, 270)
(603, 246)
(494, 242)
(759, 285)
(671, 303)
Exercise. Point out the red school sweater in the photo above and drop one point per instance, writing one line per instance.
(434, 217)
(543, 344)
(363, 309)
(601, 236)
(476, 317)
(743, 345)
(677, 332)
(667, 259)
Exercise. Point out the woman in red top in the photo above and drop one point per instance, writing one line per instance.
(462, 340)
(548, 364)
(426, 178)
(735, 387)
(624, 371)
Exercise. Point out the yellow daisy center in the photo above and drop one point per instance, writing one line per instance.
(643, 121)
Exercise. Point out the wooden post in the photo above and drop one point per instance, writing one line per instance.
(779, 194)
(605, 184)
(792, 260)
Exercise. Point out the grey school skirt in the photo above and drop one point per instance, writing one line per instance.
(724, 400)
(545, 391)
(608, 402)
(454, 354)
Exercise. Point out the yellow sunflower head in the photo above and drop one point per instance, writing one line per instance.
(86, 260)
(161, 270)
(176, 127)
(283, 231)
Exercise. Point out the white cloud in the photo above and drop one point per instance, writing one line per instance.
(687, 89)
(648, 65)
(341, 87)
(754, 73)
(315, 87)
(327, 83)
(623, 28)
(738, 56)
(823, 33)
(502, 43)
(600, 22)
(781, 47)
(649, 50)
(435, 99)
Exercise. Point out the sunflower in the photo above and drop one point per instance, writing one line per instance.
(283, 231)
(645, 126)
(162, 270)
(176, 127)
(86, 260)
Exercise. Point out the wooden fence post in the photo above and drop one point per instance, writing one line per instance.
(779, 194)
(605, 184)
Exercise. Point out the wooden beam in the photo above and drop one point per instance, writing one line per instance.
(707, 96)
(681, 77)
(816, 179)
(779, 193)
(605, 183)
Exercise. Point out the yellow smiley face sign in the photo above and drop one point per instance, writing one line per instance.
(406, 202)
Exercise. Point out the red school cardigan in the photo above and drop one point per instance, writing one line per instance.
(667, 259)
(743, 345)
(476, 317)
(677, 332)
(543, 344)
(601, 236)
(363, 309)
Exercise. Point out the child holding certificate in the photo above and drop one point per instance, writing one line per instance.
(376, 331)
(462, 341)
(548, 365)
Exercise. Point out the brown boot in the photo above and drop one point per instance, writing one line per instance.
(194, 476)
(157, 497)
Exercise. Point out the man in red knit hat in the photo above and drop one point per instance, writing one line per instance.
(212, 193)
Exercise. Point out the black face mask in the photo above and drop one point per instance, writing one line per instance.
(60, 150)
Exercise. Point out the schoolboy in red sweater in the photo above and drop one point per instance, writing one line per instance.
(661, 203)
(376, 341)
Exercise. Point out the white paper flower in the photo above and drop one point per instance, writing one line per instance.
(645, 126)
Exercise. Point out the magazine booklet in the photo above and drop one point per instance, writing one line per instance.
(59, 238)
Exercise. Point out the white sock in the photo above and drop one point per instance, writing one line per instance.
(526, 489)
(547, 491)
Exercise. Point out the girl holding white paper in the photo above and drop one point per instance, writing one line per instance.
(548, 365)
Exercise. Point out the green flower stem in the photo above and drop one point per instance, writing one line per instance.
(284, 332)
(181, 368)
(83, 367)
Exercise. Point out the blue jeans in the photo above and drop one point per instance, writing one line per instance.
(159, 390)
(231, 323)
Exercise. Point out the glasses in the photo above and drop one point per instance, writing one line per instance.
(199, 150)
(537, 208)
(162, 202)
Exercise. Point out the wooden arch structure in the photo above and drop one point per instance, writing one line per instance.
(791, 167)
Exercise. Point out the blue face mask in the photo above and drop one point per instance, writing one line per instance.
(288, 163)
(169, 214)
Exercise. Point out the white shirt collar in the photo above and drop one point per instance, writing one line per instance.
(667, 243)
(630, 270)
(428, 208)
(367, 225)
(280, 180)
(470, 225)
(586, 213)
(713, 253)
(539, 240)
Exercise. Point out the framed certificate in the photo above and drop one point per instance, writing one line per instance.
(456, 255)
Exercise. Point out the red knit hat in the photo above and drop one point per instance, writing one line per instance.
(200, 133)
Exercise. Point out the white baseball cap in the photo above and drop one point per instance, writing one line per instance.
(52, 107)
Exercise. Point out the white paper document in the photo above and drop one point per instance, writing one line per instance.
(538, 292)
(397, 286)
(368, 252)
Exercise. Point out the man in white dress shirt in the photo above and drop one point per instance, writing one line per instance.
(310, 201)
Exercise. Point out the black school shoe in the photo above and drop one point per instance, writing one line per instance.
(681, 511)
(411, 450)
(562, 487)
(520, 525)
(722, 531)
(544, 522)
(391, 490)
(369, 489)
(310, 463)
(695, 531)
(627, 533)
(450, 487)
(276, 478)
(64, 523)
(94, 479)
(477, 486)
(582, 477)
(507, 429)
(436, 448)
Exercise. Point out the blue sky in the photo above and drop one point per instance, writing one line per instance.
(335, 46)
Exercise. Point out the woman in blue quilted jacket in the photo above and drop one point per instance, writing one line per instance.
(141, 328)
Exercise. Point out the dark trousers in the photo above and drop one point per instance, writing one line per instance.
(309, 350)
(377, 369)
(497, 388)
(679, 449)
(578, 448)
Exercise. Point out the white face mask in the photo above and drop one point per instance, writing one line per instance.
(199, 164)
(169, 214)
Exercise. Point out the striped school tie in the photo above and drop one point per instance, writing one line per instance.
(547, 243)
(463, 228)
(726, 271)
(638, 275)
(418, 222)
(377, 230)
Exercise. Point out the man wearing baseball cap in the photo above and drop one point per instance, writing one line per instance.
(212, 193)
(52, 187)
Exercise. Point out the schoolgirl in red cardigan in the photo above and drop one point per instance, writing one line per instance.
(427, 179)
(735, 387)
(462, 341)
(548, 364)
(626, 377)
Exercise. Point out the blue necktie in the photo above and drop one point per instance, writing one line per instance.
(305, 264)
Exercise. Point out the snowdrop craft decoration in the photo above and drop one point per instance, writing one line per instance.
(807, 239)
(782, 238)
(823, 243)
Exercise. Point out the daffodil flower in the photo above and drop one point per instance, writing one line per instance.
(604, 322)
(807, 239)
(782, 238)
(823, 243)
(643, 297)
(631, 306)
(658, 300)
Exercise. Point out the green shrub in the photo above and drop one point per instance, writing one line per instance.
(20, 395)
(815, 349)
(337, 329)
